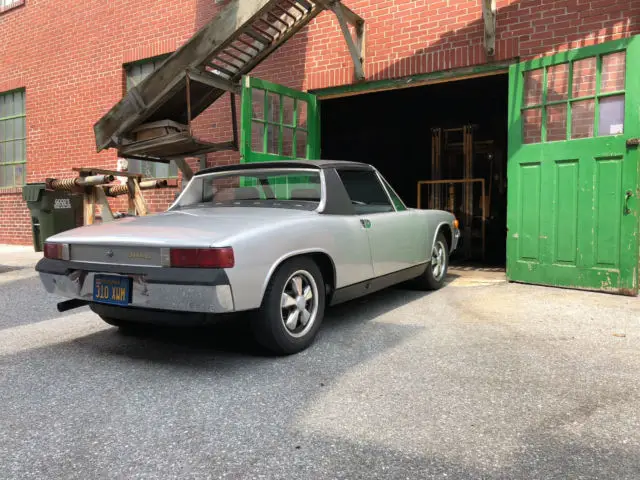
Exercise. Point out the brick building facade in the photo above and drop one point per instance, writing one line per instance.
(70, 64)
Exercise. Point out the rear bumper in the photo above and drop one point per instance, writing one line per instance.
(180, 290)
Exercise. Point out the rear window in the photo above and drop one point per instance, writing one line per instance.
(267, 188)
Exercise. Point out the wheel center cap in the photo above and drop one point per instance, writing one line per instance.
(301, 303)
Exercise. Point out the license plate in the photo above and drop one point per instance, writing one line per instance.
(112, 289)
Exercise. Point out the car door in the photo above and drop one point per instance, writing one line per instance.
(391, 232)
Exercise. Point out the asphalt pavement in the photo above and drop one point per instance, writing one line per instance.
(482, 379)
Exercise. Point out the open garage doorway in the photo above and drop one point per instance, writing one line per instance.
(454, 132)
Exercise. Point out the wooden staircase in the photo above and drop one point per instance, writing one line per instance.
(153, 120)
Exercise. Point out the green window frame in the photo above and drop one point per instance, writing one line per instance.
(135, 73)
(278, 123)
(13, 139)
(581, 103)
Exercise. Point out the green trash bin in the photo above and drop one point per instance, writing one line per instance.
(51, 212)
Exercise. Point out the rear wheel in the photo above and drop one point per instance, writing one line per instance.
(292, 309)
(434, 276)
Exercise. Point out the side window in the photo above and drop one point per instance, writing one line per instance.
(399, 204)
(366, 191)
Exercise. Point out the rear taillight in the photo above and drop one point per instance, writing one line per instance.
(56, 251)
(202, 257)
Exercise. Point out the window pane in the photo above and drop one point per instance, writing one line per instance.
(582, 119)
(8, 130)
(18, 103)
(6, 175)
(257, 102)
(20, 127)
(558, 82)
(532, 125)
(148, 169)
(138, 72)
(301, 144)
(556, 122)
(287, 110)
(8, 152)
(613, 72)
(365, 191)
(257, 137)
(533, 87)
(584, 78)
(161, 170)
(2, 107)
(272, 139)
(274, 108)
(302, 114)
(287, 142)
(611, 120)
(19, 153)
(8, 105)
(19, 175)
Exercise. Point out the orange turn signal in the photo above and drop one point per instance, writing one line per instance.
(456, 224)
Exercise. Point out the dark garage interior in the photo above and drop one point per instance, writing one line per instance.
(394, 131)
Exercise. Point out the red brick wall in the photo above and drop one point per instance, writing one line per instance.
(70, 61)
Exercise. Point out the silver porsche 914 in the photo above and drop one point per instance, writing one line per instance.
(283, 238)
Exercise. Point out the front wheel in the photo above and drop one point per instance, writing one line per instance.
(292, 309)
(434, 276)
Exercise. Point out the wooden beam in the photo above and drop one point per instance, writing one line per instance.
(213, 81)
(349, 15)
(361, 40)
(138, 200)
(489, 16)
(107, 214)
(184, 167)
(89, 205)
(131, 184)
(234, 123)
(356, 55)
(84, 171)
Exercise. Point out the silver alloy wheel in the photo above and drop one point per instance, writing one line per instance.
(299, 304)
(438, 261)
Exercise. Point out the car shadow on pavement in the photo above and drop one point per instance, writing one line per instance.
(232, 336)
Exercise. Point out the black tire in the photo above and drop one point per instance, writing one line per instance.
(430, 279)
(269, 325)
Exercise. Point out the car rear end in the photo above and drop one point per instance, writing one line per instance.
(139, 277)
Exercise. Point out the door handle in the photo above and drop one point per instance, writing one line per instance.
(365, 223)
(633, 142)
(627, 196)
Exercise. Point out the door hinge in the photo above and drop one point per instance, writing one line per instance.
(633, 142)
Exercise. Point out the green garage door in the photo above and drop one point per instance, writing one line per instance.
(573, 169)
(278, 123)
